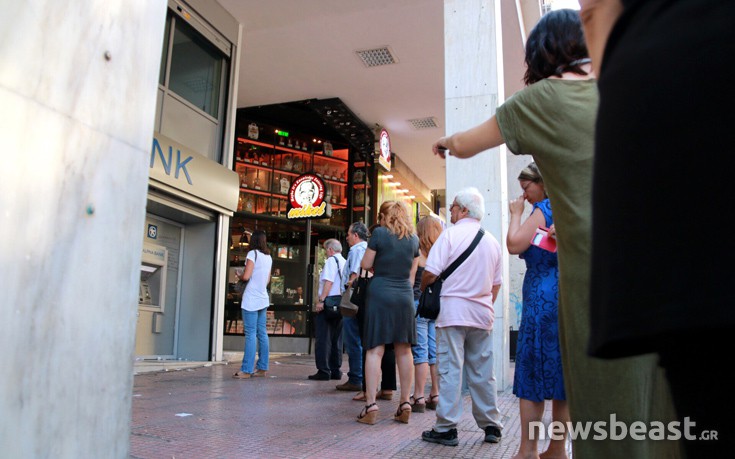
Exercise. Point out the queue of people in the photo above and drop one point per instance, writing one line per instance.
(394, 253)
(555, 120)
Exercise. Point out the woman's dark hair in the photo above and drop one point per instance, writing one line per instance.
(531, 173)
(258, 241)
(556, 45)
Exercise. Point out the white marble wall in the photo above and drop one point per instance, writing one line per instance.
(473, 87)
(78, 83)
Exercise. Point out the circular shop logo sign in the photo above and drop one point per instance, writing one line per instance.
(306, 197)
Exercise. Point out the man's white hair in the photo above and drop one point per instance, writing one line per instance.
(471, 199)
(333, 244)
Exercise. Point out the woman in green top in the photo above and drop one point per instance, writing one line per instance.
(553, 119)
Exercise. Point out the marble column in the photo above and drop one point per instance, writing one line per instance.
(473, 60)
(78, 84)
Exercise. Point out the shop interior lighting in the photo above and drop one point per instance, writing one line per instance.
(411, 197)
(393, 184)
(244, 239)
(386, 177)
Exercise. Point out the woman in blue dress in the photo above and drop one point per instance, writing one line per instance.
(538, 370)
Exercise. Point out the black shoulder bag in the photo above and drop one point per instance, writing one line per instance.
(359, 289)
(331, 303)
(429, 301)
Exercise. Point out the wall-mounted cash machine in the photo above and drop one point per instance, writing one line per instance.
(153, 278)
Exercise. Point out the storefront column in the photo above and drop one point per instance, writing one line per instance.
(78, 96)
(473, 86)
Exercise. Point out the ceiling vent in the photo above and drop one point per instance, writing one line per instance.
(424, 123)
(376, 57)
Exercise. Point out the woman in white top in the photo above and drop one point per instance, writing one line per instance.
(255, 302)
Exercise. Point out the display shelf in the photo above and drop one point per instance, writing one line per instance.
(291, 173)
(289, 156)
(254, 142)
(330, 158)
(253, 166)
(258, 192)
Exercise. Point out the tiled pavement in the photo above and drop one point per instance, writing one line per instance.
(203, 412)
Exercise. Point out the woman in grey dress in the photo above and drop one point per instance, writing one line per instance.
(392, 254)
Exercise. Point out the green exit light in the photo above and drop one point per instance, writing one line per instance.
(282, 133)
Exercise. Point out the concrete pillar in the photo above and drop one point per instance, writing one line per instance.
(78, 83)
(473, 86)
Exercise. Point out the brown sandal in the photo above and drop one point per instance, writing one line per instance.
(366, 416)
(403, 414)
(360, 397)
(416, 406)
(432, 402)
(242, 375)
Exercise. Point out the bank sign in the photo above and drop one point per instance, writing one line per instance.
(306, 197)
(192, 176)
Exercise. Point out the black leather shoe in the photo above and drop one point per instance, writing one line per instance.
(448, 438)
(319, 376)
(492, 434)
(337, 376)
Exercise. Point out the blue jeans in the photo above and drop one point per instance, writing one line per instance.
(254, 324)
(353, 346)
(424, 351)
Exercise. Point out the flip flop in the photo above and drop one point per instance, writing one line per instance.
(360, 397)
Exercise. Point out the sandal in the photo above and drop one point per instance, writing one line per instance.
(384, 395)
(416, 406)
(403, 414)
(432, 402)
(366, 416)
(360, 397)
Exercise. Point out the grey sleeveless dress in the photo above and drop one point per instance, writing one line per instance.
(389, 308)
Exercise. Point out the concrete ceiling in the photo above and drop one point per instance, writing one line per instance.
(294, 50)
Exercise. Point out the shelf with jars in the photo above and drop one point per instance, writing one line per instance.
(266, 171)
(361, 190)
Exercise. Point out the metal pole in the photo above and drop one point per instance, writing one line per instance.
(309, 281)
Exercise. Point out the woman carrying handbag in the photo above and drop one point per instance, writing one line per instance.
(255, 302)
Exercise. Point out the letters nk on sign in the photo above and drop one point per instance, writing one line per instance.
(183, 172)
(180, 165)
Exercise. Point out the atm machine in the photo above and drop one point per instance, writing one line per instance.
(151, 298)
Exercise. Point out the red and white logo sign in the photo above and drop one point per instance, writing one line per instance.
(384, 159)
(306, 197)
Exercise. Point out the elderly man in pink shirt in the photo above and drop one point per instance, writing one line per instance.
(465, 324)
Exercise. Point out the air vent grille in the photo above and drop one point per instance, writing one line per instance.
(424, 123)
(376, 57)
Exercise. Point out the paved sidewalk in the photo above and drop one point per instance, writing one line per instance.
(204, 413)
